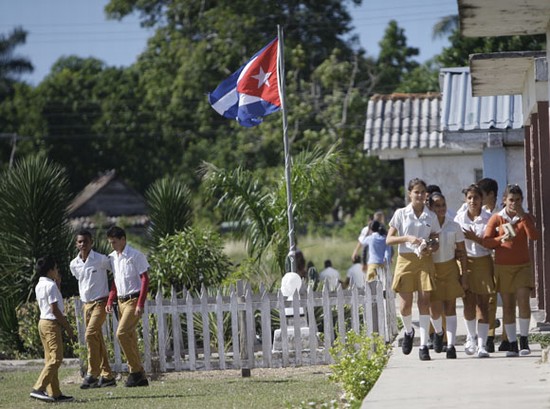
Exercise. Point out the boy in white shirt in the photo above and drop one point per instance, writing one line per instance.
(52, 320)
(90, 269)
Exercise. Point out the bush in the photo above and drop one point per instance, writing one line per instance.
(188, 259)
(28, 315)
(359, 361)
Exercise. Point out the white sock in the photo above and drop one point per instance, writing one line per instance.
(407, 323)
(451, 330)
(482, 332)
(438, 325)
(524, 326)
(511, 332)
(424, 321)
(471, 327)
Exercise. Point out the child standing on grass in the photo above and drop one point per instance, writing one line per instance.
(411, 228)
(52, 320)
(508, 233)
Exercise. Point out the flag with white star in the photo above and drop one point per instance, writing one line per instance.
(251, 92)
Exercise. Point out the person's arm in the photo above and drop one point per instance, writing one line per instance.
(392, 239)
(354, 254)
(111, 299)
(491, 238)
(60, 318)
(142, 293)
(463, 260)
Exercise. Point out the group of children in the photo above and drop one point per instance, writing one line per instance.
(126, 298)
(481, 251)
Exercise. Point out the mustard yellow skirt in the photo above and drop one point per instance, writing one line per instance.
(481, 278)
(447, 282)
(510, 278)
(372, 271)
(413, 274)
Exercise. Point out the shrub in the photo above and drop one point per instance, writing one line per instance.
(359, 361)
(28, 315)
(188, 259)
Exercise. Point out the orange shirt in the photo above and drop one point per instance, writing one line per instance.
(515, 251)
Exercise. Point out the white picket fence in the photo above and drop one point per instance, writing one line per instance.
(172, 340)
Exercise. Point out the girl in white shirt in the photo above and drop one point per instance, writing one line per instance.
(480, 277)
(450, 284)
(411, 228)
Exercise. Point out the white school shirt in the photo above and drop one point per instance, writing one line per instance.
(91, 274)
(406, 223)
(478, 225)
(47, 292)
(332, 275)
(127, 269)
(450, 234)
(355, 272)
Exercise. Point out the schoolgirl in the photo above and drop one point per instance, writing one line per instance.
(413, 228)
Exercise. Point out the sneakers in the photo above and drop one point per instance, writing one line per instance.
(482, 353)
(136, 379)
(490, 346)
(451, 352)
(513, 350)
(63, 398)
(407, 344)
(504, 346)
(105, 382)
(41, 395)
(438, 342)
(470, 346)
(89, 382)
(524, 349)
(424, 353)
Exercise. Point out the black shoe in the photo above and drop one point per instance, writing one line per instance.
(136, 379)
(513, 350)
(451, 352)
(524, 349)
(89, 382)
(41, 395)
(105, 382)
(438, 342)
(424, 353)
(407, 344)
(430, 343)
(504, 345)
(63, 398)
(490, 345)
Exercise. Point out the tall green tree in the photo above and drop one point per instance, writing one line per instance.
(395, 59)
(12, 65)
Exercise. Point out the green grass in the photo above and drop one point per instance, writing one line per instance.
(266, 388)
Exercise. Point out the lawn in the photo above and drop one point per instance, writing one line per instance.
(266, 388)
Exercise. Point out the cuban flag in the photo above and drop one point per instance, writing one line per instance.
(251, 92)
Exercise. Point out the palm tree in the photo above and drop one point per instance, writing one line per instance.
(445, 26)
(12, 66)
(169, 203)
(259, 207)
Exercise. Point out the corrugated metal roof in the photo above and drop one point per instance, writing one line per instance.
(418, 121)
(462, 112)
(403, 121)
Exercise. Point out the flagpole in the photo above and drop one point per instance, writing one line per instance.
(281, 84)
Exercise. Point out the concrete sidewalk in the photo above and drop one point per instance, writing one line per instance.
(495, 382)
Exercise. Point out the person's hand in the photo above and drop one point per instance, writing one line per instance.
(470, 235)
(506, 238)
(414, 240)
(519, 210)
(464, 282)
(109, 308)
(70, 332)
(138, 310)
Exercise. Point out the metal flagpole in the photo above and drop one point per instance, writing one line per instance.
(281, 84)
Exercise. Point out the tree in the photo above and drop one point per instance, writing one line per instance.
(395, 59)
(258, 204)
(12, 66)
(169, 203)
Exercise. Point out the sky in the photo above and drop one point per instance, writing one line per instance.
(79, 27)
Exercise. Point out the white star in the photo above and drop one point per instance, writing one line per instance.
(262, 77)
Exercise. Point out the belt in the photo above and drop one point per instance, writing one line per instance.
(125, 298)
(102, 299)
